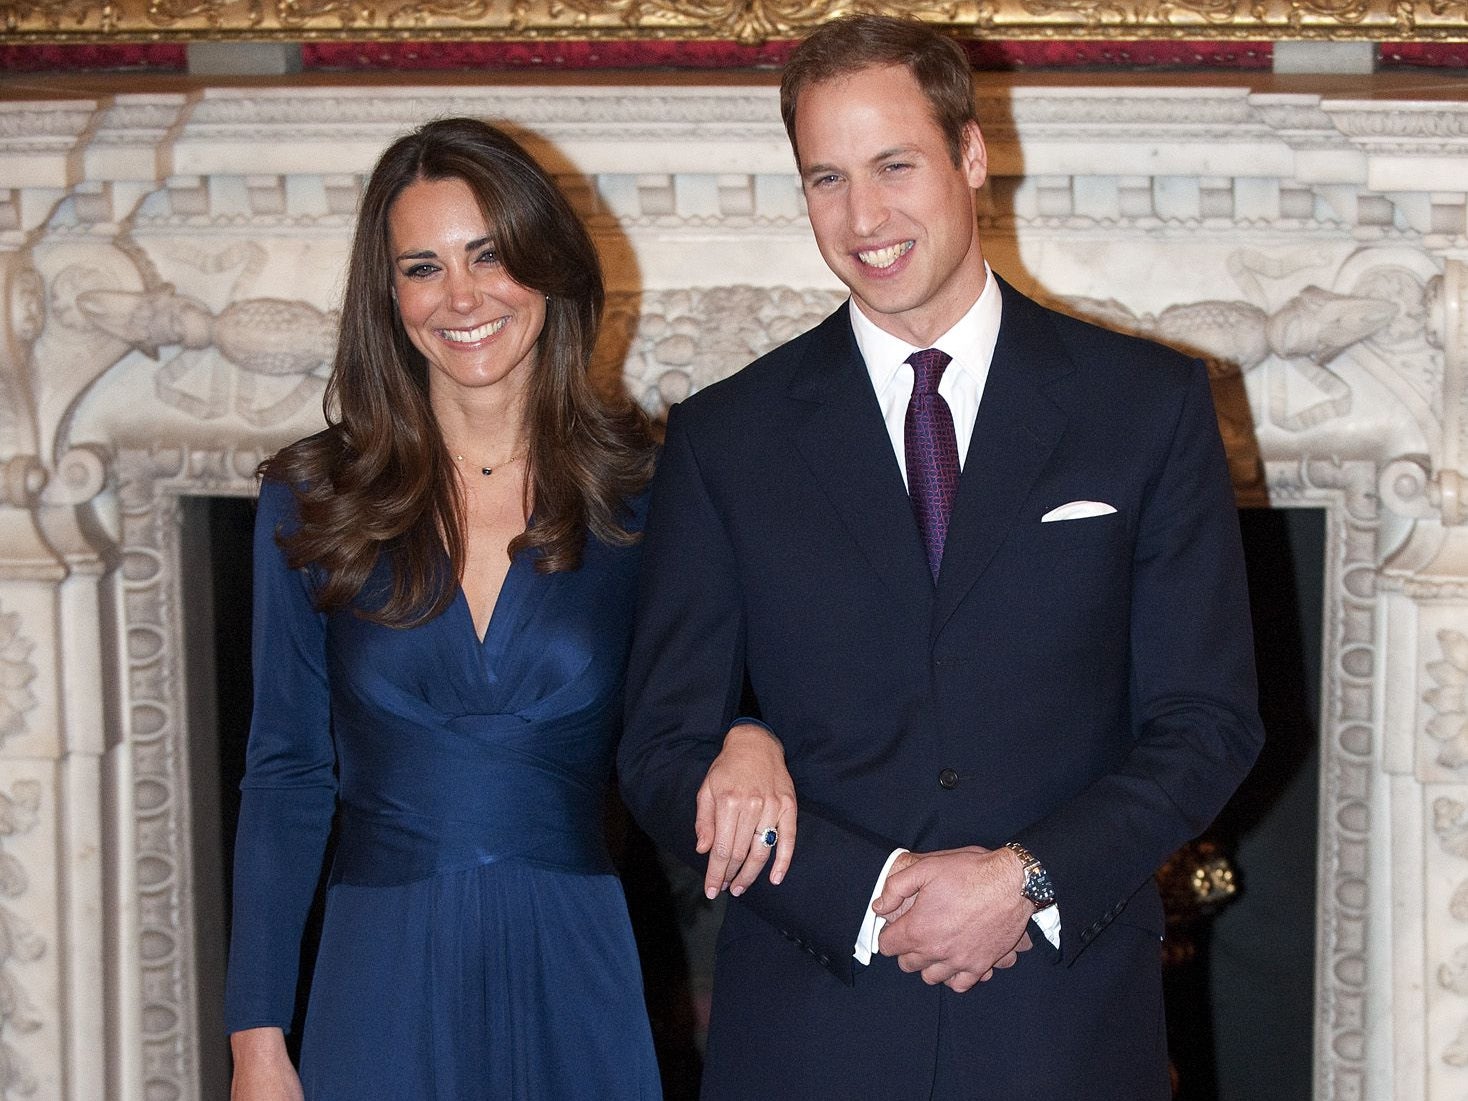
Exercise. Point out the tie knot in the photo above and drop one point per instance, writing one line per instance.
(927, 367)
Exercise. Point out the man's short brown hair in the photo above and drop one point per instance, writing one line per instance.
(855, 42)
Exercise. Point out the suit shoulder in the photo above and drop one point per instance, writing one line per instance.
(1127, 376)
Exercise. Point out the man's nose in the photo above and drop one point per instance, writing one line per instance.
(868, 208)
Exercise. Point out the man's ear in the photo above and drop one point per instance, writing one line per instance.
(973, 157)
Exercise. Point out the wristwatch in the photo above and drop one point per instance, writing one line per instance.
(1037, 886)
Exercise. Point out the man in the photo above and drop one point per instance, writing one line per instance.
(1004, 695)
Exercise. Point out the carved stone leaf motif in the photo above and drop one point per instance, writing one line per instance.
(1450, 725)
(1454, 974)
(673, 343)
(18, 942)
(1448, 824)
(16, 674)
(1458, 907)
(1456, 1054)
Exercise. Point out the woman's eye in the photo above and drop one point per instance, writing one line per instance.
(419, 271)
(489, 256)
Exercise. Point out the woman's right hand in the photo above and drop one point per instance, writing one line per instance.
(262, 1067)
(747, 790)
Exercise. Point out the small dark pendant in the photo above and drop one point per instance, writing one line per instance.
(486, 471)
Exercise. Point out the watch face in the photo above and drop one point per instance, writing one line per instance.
(1037, 887)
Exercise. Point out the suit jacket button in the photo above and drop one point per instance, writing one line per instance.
(948, 779)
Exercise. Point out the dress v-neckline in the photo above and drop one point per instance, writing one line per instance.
(502, 605)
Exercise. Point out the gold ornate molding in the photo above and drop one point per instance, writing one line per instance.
(747, 22)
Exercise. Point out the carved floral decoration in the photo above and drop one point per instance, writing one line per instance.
(669, 344)
(16, 674)
(1449, 727)
(1448, 823)
(18, 943)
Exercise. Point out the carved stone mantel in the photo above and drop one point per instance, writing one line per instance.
(169, 264)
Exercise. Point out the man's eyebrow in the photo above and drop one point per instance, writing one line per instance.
(878, 158)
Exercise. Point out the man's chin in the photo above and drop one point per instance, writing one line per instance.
(878, 306)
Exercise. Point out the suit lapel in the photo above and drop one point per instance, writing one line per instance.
(1017, 428)
(844, 441)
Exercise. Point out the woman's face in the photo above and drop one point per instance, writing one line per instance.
(475, 325)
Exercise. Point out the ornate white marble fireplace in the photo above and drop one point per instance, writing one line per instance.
(169, 261)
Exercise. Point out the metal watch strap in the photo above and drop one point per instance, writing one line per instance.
(1037, 886)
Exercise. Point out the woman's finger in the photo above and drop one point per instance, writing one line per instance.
(785, 846)
(703, 819)
(732, 838)
(754, 860)
(720, 849)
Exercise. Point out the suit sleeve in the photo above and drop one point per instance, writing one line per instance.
(1193, 689)
(288, 794)
(684, 685)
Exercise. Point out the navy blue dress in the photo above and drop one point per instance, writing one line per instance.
(476, 942)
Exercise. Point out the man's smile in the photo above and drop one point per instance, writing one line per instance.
(884, 257)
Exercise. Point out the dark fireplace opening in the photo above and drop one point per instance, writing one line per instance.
(1240, 1011)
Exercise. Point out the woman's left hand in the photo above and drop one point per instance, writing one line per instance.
(747, 791)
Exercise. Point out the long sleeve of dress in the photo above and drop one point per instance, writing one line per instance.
(289, 789)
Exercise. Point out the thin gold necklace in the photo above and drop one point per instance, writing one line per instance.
(488, 470)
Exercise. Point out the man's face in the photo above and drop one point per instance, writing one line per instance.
(893, 216)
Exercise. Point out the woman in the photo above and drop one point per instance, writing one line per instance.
(444, 586)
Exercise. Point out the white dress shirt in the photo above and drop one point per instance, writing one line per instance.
(970, 346)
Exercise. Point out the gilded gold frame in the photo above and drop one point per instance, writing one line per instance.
(743, 21)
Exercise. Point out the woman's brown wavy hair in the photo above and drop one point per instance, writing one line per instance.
(379, 480)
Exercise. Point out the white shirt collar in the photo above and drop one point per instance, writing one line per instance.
(970, 342)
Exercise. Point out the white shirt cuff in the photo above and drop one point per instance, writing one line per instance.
(1048, 920)
(871, 926)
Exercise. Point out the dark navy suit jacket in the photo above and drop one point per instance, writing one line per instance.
(1089, 683)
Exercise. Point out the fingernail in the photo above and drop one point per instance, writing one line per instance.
(710, 893)
(775, 878)
(736, 891)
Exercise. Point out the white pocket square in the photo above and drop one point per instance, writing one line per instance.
(1077, 510)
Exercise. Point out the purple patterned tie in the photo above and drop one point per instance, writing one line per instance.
(932, 453)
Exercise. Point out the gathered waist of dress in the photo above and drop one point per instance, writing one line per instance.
(521, 810)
